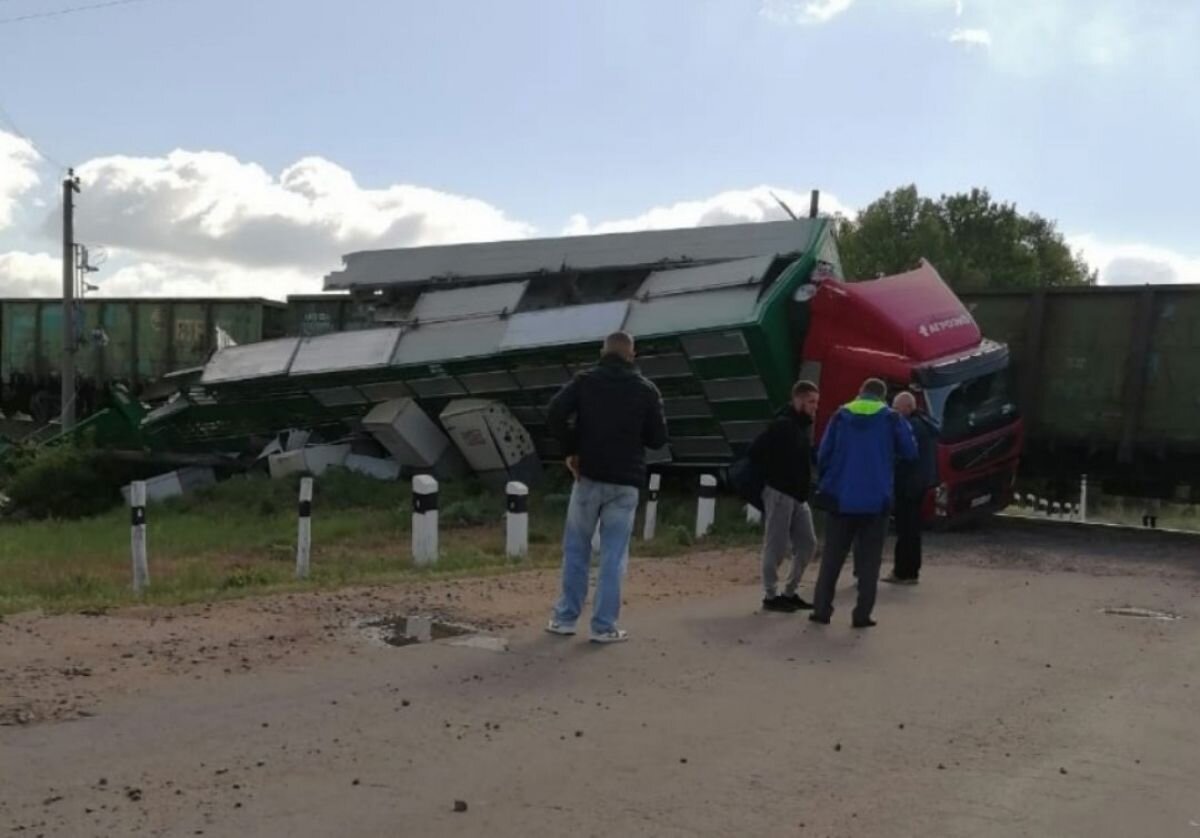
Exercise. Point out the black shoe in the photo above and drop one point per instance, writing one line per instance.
(863, 624)
(797, 603)
(778, 603)
(893, 579)
(817, 618)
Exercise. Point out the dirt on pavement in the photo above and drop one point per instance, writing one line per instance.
(997, 698)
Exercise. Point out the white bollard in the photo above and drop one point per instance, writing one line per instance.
(1083, 499)
(304, 529)
(137, 508)
(517, 519)
(425, 520)
(651, 522)
(706, 506)
(753, 516)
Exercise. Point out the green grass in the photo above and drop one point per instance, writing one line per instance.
(238, 539)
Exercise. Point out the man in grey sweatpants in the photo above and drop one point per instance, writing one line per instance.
(782, 455)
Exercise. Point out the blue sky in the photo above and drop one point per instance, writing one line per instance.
(240, 147)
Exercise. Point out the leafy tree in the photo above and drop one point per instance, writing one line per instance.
(973, 241)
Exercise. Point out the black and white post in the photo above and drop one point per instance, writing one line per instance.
(304, 529)
(651, 523)
(1083, 499)
(706, 506)
(517, 520)
(425, 520)
(137, 521)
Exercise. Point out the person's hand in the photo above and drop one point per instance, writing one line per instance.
(572, 464)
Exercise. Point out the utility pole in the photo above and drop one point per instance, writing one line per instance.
(70, 187)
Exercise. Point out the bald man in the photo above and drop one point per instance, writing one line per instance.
(604, 419)
(914, 479)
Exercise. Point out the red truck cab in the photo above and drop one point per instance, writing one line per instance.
(912, 331)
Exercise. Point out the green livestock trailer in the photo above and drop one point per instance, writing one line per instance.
(131, 341)
(1108, 382)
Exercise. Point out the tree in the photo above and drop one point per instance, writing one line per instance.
(973, 241)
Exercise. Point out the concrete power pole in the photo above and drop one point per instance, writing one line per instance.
(70, 187)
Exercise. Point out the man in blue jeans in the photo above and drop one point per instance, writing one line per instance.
(604, 420)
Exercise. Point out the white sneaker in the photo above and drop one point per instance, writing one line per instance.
(611, 636)
(565, 629)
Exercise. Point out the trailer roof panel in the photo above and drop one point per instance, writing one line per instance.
(253, 360)
(414, 265)
(742, 272)
(572, 324)
(723, 308)
(345, 351)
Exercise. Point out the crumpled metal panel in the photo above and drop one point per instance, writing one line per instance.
(454, 303)
(345, 351)
(254, 360)
(571, 324)
(692, 312)
(437, 342)
(511, 258)
(706, 277)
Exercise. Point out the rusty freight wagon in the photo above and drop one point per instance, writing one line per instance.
(134, 342)
(1108, 382)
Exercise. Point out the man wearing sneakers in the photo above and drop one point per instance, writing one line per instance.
(604, 420)
(857, 459)
(782, 454)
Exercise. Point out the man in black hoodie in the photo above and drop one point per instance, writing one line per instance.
(783, 456)
(604, 419)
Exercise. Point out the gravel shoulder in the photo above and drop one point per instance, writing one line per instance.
(997, 698)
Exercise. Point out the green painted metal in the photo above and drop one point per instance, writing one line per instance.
(724, 360)
(1112, 384)
(133, 341)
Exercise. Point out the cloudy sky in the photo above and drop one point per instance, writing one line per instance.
(233, 147)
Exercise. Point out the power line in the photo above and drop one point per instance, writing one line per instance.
(8, 120)
(69, 10)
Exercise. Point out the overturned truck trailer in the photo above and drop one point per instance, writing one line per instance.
(726, 318)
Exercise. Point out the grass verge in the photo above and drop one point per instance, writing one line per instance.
(238, 538)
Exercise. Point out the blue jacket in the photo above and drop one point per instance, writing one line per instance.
(857, 457)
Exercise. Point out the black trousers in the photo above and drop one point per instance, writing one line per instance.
(865, 533)
(908, 537)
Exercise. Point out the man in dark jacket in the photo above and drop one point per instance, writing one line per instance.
(783, 455)
(857, 461)
(914, 478)
(604, 420)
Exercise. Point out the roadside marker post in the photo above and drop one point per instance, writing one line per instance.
(425, 520)
(304, 529)
(137, 520)
(706, 506)
(651, 523)
(517, 520)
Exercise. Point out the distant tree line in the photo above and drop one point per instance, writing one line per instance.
(974, 242)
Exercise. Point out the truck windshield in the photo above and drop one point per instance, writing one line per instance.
(975, 406)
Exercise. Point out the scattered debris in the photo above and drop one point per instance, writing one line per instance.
(460, 806)
(1143, 613)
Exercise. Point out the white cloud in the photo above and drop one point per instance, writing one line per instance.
(30, 274)
(803, 11)
(205, 207)
(971, 37)
(17, 175)
(1031, 37)
(1130, 263)
(731, 207)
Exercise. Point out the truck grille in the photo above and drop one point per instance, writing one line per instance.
(983, 453)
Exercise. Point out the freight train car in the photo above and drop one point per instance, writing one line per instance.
(1108, 380)
(129, 341)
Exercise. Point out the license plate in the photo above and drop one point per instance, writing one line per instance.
(980, 501)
